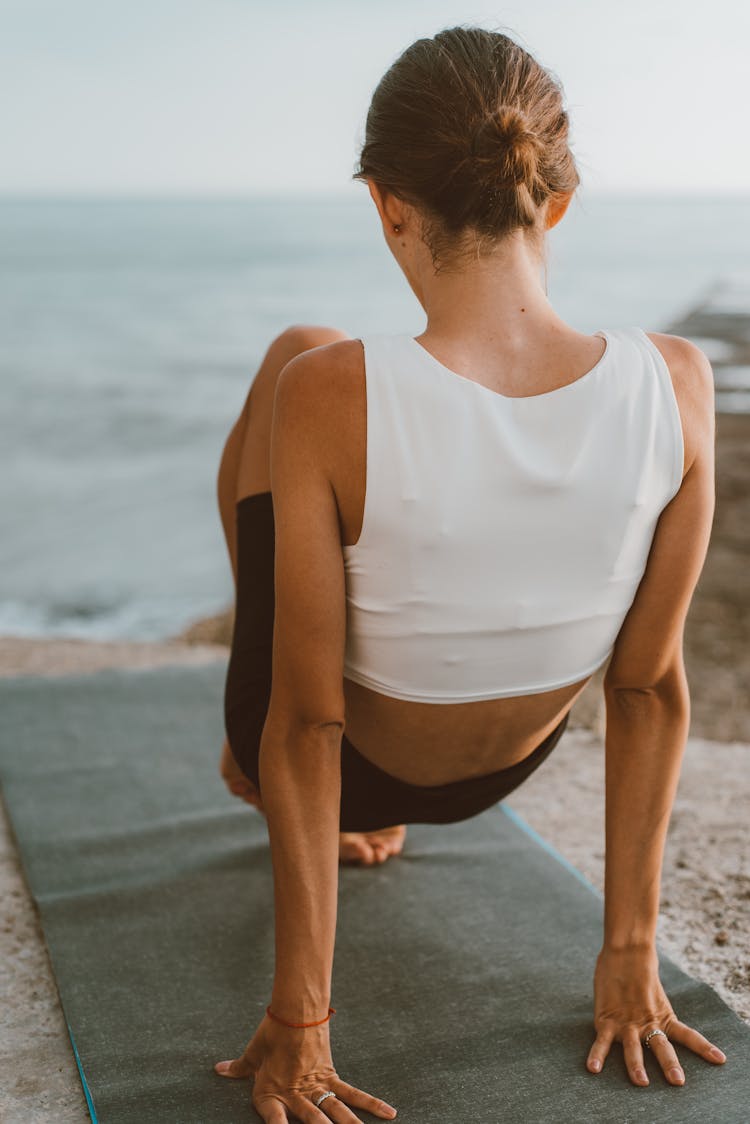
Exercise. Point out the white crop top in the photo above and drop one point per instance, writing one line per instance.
(503, 538)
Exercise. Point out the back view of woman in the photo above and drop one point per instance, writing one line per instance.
(437, 540)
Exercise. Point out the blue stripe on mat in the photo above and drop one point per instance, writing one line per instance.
(82, 1075)
(520, 822)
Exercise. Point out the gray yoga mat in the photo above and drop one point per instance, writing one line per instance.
(463, 968)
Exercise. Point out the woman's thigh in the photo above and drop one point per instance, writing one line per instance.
(247, 690)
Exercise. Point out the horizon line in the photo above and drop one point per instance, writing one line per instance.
(319, 194)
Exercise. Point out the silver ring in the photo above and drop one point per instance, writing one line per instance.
(323, 1096)
(651, 1034)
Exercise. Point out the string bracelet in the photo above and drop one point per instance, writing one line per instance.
(331, 1011)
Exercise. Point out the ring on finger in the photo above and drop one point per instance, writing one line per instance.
(322, 1097)
(652, 1034)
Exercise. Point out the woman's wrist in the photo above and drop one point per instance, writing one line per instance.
(296, 1023)
(298, 1007)
(630, 940)
(640, 952)
(293, 1037)
(630, 920)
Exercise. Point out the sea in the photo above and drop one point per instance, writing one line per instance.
(130, 331)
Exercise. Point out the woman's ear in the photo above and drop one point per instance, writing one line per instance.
(557, 205)
(391, 210)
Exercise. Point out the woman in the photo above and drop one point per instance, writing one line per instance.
(466, 525)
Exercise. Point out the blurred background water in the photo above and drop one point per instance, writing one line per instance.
(130, 331)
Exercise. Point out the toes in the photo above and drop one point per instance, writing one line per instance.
(371, 848)
(389, 842)
(355, 848)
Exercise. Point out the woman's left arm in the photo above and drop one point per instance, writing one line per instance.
(645, 739)
(648, 717)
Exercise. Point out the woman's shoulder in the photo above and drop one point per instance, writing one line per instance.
(327, 369)
(693, 382)
(323, 391)
(681, 353)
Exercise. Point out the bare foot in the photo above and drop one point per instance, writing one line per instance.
(366, 848)
(370, 847)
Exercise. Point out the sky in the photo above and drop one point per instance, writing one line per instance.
(216, 97)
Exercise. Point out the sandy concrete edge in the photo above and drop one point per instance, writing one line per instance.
(41, 1082)
(54, 657)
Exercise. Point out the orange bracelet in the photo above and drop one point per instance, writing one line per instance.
(331, 1011)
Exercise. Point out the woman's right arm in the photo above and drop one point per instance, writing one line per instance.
(300, 750)
(300, 778)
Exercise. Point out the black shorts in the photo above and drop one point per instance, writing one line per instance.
(370, 797)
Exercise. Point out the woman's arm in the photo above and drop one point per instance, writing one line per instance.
(300, 779)
(645, 686)
(648, 716)
(645, 739)
(300, 752)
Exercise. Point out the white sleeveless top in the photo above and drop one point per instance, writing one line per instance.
(504, 539)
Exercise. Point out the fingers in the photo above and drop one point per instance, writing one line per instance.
(360, 1099)
(633, 1051)
(335, 1108)
(304, 1109)
(686, 1036)
(271, 1111)
(661, 1047)
(665, 1053)
(239, 1067)
(599, 1051)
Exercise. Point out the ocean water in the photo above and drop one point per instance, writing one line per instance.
(130, 332)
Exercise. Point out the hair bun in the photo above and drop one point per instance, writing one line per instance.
(505, 149)
(471, 131)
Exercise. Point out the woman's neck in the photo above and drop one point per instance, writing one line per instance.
(498, 296)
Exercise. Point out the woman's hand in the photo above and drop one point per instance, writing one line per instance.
(629, 1001)
(292, 1067)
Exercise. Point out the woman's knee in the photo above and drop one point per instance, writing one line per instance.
(289, 343)
(298, 338)
(239, 477)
